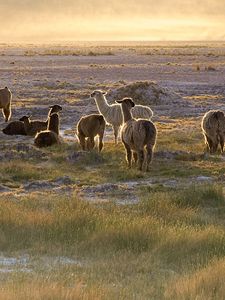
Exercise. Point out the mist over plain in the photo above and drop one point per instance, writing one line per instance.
(57, 20)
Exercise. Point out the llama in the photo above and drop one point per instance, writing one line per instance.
(33, 127)
(113, 114)
(137, 135)
(213, 127)
(50, 136)
(88, 127)
(5, 103)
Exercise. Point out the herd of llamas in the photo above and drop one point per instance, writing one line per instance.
(138, 132)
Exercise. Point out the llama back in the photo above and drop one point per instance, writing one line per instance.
(142, 112)
(34, 126)
(91, 125)
(210, 120)
(139, 133)
(46, 138)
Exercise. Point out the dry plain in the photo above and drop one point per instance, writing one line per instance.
(79, 225)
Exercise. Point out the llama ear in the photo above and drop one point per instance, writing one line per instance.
(104, 93)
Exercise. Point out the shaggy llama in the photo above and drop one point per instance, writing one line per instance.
(213, 128)
(88, 127)
(137, 135)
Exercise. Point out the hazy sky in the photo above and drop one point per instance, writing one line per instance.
(57, 20)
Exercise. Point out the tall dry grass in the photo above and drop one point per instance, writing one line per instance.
(169, 239)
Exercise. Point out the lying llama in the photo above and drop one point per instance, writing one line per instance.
(50, 136)
(113, 114)
(33, 127)
(15, 128)
(88, 127)
(137, 134)
(5, 103)
(213, 127)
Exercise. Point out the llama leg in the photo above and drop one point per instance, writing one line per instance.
(135, 157)
(116, 131)
(149, 156)
(129, 154)
(214, 147)
(221, 143)
(100, 143)
(90, 143)
(214, 144)
(140, 159)
(81, 138)
(209, 144)
(6, 113)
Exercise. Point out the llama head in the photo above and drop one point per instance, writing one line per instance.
(97, 93)
(8, 129)
(55, 108)
(126, 101)
(24, 118)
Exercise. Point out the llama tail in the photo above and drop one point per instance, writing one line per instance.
(213, 121)
(101, 121)
(150, 133)
(218, 115)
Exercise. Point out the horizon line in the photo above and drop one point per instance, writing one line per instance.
(111, 41)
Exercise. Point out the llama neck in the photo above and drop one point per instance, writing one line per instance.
(102, 104)
(27, 124)
(53, 123)
(50, 112)
(127, 116)
(48, 117)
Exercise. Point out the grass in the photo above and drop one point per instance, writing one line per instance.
(207, 283)
(110, 165)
